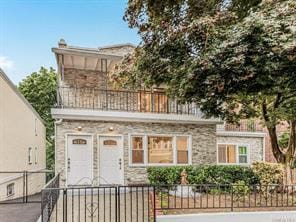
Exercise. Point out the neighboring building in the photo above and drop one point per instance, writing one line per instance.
(22, 142)
(108, 136)
(240, 144)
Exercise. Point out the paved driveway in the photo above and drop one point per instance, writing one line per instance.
(15, 211)
(29, 212)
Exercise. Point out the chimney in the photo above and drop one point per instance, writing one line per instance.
(62, 43)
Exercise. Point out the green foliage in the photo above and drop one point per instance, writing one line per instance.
(39, 89)
(268, 173)
(235, 59)
(240, 189)
(215, 174)
(284, 140)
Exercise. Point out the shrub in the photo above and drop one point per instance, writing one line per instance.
(203, 174)
(240, 190)
(268, 173)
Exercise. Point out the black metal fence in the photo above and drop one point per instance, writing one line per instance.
(231, 197)
(245, 126)
(108, 204)
(22, 186)
(122, 100)
(144, 203)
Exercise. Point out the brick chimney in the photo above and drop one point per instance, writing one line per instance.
(62, 43)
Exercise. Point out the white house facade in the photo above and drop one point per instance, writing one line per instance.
(22, 143)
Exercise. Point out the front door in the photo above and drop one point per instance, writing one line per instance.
(79, 160)
(111, 162)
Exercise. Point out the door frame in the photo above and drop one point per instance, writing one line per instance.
(121, 150)
(91, 155)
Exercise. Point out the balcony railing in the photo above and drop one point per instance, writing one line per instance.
(122, 100)
(243, 126)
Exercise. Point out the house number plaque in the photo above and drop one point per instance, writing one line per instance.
(110, 142)
(79, 141)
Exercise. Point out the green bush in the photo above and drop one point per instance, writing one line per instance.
(268, 173)
(203, 174)
(240, 190)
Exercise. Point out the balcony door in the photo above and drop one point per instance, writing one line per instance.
(153, 101)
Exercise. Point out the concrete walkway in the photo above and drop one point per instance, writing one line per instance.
(28, 212)
(279, 216)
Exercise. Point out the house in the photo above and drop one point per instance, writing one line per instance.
(241, 144)
(22, 143)
(109, 136)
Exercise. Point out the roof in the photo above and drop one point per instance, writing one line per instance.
(107, 51)
(90, 58)
(17, 92)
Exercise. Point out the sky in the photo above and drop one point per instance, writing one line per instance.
(30, 28)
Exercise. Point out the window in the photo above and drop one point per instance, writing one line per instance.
(232, 154)
(30, 155)
(182, 149)
(159, 150)
(36, 155)
(242, 154)
(137, 150)
(10, 189)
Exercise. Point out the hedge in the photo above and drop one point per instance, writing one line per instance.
(203, 174)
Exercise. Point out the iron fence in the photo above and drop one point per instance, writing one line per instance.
(144, 202)
(122, 100)
(231, 197)
(108, 204)
(22, 186)
(244, 126)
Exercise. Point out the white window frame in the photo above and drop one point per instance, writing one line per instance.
(145, 147)
(30, 155)
(236, 152)
(11, 185)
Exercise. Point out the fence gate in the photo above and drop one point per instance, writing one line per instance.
(108, 204)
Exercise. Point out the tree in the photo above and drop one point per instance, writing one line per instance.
(39, 89)
(235, 59)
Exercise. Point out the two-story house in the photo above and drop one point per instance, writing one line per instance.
(108, 136)
(22, 144)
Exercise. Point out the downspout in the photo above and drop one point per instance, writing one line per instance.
(57, 122)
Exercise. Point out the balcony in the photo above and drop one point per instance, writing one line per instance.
(243, 126)
(122, 100)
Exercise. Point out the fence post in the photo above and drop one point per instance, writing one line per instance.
(24, 186)
(42, 219)
(26, 173)
(65, 205)
(231, 198)
(154, 205)
(117, 203)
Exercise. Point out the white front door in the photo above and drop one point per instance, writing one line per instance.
(111, 162)
(79, 160)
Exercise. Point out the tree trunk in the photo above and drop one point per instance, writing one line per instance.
(277, 153)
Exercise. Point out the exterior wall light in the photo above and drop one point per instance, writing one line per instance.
(111, 129)
(79, 128)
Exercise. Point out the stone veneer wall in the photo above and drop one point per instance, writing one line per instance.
(203, 142)
(84, 78)
(255, 144)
